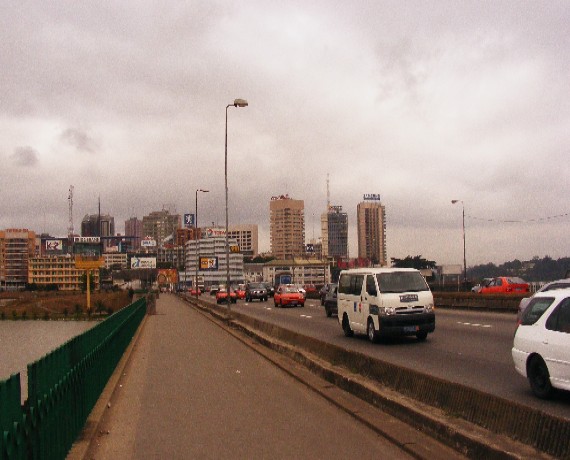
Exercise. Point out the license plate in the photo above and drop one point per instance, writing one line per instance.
(411, 328)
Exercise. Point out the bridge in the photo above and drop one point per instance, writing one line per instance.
(195, 383)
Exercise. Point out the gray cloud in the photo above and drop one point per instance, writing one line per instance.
(24, 156)
(79, 139)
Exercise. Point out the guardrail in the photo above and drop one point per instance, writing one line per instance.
(63, 388)
(470, 300)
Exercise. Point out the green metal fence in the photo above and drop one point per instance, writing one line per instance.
(63, 388)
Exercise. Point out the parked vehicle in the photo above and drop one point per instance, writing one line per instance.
(383, 302)
(506, 285)
(222, 296)
(552, 286)
(255, 291)
(541, 347)
(330, 303)
(323, 291)
(288, 295)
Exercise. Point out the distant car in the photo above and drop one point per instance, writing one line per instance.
(222, 296)
(193, 292)
(310, 289)
(240, 292)
(541, 347)
(552, 286)
(324, 290)
(506, 285)
(214, 290)
(288, 295)
(330, 304)
(255, 291)
(301, 289)
(270, 289)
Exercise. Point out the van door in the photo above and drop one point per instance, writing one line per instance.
(360, 306)
(371, 299)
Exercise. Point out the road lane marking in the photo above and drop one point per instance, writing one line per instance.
(306, 316)
(474, 324)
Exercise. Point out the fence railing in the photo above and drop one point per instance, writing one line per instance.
(63, 388)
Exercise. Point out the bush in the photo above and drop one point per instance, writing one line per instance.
(2, 316)
(14, 314)
(65, 312)
(46, 316)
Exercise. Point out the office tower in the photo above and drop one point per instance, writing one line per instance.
(334, 231)
(371, 222)
(287, 227)
(161, 226)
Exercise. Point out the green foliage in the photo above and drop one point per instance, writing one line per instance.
(545, 269)
(416, 262)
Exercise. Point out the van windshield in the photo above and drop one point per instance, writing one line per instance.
(401, 282)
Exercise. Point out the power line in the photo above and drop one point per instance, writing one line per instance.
(539, 219)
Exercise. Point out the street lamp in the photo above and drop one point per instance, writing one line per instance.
(197, 239)
(464, 259)
(236, 103)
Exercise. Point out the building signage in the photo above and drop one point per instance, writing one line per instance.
(148, 243)
(215, 232)
(87, 239)
(189, 220)
(310, 248)
(371, 197)
(336, 208)
(54, 245)
(280, 197)
(208, 263)
(143, 262)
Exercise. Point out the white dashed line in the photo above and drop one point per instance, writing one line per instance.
(474, 324)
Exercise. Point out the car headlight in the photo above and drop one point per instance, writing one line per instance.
(389, 311)
(428, 308)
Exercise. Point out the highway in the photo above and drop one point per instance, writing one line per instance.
(468, 347)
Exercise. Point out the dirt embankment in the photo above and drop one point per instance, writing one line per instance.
(52, 305)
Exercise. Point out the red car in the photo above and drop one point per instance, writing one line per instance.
(240, 293)
(222, 296)
(192, 291)
(288, 294)
(505, 285)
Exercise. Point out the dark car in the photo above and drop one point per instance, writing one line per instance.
(255, 291)
(270, 289)
(330, 302)
(324, 290)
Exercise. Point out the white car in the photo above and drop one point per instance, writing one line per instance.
(541, 348)
(553, 285)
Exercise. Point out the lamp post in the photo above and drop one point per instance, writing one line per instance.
(464, 258)
(236, 103)
(197, 239)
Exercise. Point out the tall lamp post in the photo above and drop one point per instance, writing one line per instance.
(236, 103)
(464, 258)
(197, 239)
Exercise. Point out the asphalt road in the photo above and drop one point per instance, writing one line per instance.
(192, 390)
(468, 347)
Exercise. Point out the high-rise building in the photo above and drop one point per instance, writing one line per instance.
(247, 238)
(98, 225)
(17, 247)
(161, 226)
(134, 228)
(371, 222)
(287, 227)
(334, 231)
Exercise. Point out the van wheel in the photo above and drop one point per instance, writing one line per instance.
(539, 378)
(348, 332)
(421, 336)
(328, 311)
(372, 334)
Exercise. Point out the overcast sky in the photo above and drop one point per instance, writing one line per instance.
(421, 102)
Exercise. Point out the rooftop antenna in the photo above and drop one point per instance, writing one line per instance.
(70, 230)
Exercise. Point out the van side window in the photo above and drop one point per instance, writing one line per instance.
(344, 284)
(559, 320)
(356, 285)
(371, 286)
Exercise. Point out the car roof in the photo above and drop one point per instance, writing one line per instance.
(377, 270)
(557, 293)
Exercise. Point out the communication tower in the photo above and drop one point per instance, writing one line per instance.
(70, 202)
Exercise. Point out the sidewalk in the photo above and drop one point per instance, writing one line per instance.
(192, 390)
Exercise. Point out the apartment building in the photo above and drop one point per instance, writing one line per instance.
(334, 231)
(161, 226)
(287, 227)
(371, 224)
(58, 270)
(247, 238)
(17, 247)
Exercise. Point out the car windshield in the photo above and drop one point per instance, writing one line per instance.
(555, 286)
(401, 282)
(290, 289)
(516, 280)
(256, 286)
(536, 308)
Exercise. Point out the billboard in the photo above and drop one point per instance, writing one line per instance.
(143, 262)
(54, 245)
(89, 262)
(208, 263)
(189, 220)
(215, 232)
(148, 243)
(167, 276)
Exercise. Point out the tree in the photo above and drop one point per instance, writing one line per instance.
(416, 262)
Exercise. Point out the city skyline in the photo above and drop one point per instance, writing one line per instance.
(422, 103)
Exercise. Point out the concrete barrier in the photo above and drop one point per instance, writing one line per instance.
(488, 302)
(440, 399)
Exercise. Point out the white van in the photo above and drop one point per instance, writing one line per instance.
(385, 302)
